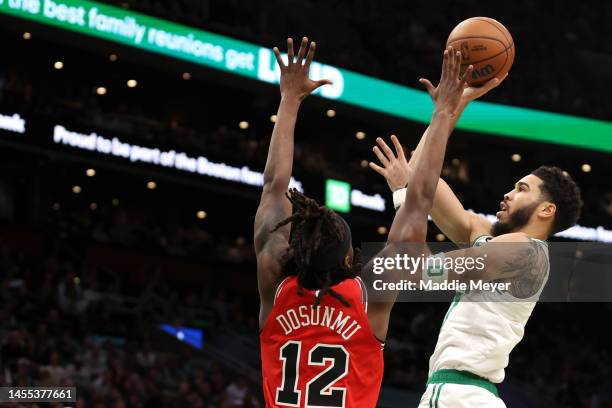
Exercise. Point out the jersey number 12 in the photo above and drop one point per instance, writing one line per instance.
(319, 390)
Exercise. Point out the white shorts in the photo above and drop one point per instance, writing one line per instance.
(448, 395)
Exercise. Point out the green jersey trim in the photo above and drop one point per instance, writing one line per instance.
(462, 377)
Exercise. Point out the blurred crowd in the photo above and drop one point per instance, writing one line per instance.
(322, 150)
(141, 231)
(70, 319)
(563, 361)
(402, 42)
(187, 122)
(70, 323)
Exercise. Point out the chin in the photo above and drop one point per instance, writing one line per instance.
(499, 228)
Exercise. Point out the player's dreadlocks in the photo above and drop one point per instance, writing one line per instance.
(317, 246)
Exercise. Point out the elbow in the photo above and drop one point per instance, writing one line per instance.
(275, 184)
(421, 199)
(414, 230)
(268, 178)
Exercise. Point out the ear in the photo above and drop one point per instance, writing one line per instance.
(348, 262)
(547, 211)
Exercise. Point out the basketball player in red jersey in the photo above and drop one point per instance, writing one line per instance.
(321, 343)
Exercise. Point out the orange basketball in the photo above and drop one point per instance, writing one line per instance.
(486, 44)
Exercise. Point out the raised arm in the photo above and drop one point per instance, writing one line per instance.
(410, 221)
(274, 207)
(447, 211)
(423, 182)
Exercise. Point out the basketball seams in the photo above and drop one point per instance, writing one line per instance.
(488, 58)
(500, 69)
(506, 48)
(509, 41)
(471, 31)
(477, 36)
(506, 60)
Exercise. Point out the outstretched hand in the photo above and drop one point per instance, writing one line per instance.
(447, 95)
(295, 81)
(395, 167)
(470, 93)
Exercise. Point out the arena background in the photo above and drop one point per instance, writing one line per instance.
(135, 281)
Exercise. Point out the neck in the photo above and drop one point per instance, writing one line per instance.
(535, 231)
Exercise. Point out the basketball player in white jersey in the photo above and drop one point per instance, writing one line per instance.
(482, 327)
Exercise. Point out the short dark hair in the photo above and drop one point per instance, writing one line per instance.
(559, 188)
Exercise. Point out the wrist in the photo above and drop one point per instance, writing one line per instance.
(291, 99)
(461, 107)
(442, 112)
(394, 188)
(399, 196)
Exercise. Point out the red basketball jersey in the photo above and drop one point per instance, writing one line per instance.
(320, 357)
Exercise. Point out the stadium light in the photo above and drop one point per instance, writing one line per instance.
(201, 214)
(76, 189)
(191, 336)
(27, 36)
(516, 157)
(360, 135)
(90, 172)
(273, 118)
(132, 83)
(381, 230)
(93, 206)
(151, 185)
(101, 90)
(186, 76)
(151, 34)
(331, 113)
(58, 65)
(113, 57)
(586, 168)
(243, 124)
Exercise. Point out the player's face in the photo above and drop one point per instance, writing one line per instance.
(518, 205)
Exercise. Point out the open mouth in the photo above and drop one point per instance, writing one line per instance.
(502, 208)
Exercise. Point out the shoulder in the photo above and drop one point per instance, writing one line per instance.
(516, 237)
(516, 248)
(486, 238)
(527, 258)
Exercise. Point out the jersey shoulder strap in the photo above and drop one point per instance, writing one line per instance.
(481, 240)
(364, 293)
(280, 287)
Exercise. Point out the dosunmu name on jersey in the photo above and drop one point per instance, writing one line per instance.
(327, 316)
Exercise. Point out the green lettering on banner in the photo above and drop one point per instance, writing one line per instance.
(238, 57)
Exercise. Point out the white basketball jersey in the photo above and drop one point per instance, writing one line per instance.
(480, 330)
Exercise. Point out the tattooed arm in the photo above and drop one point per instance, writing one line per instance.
(531, 266)
(510, 258)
